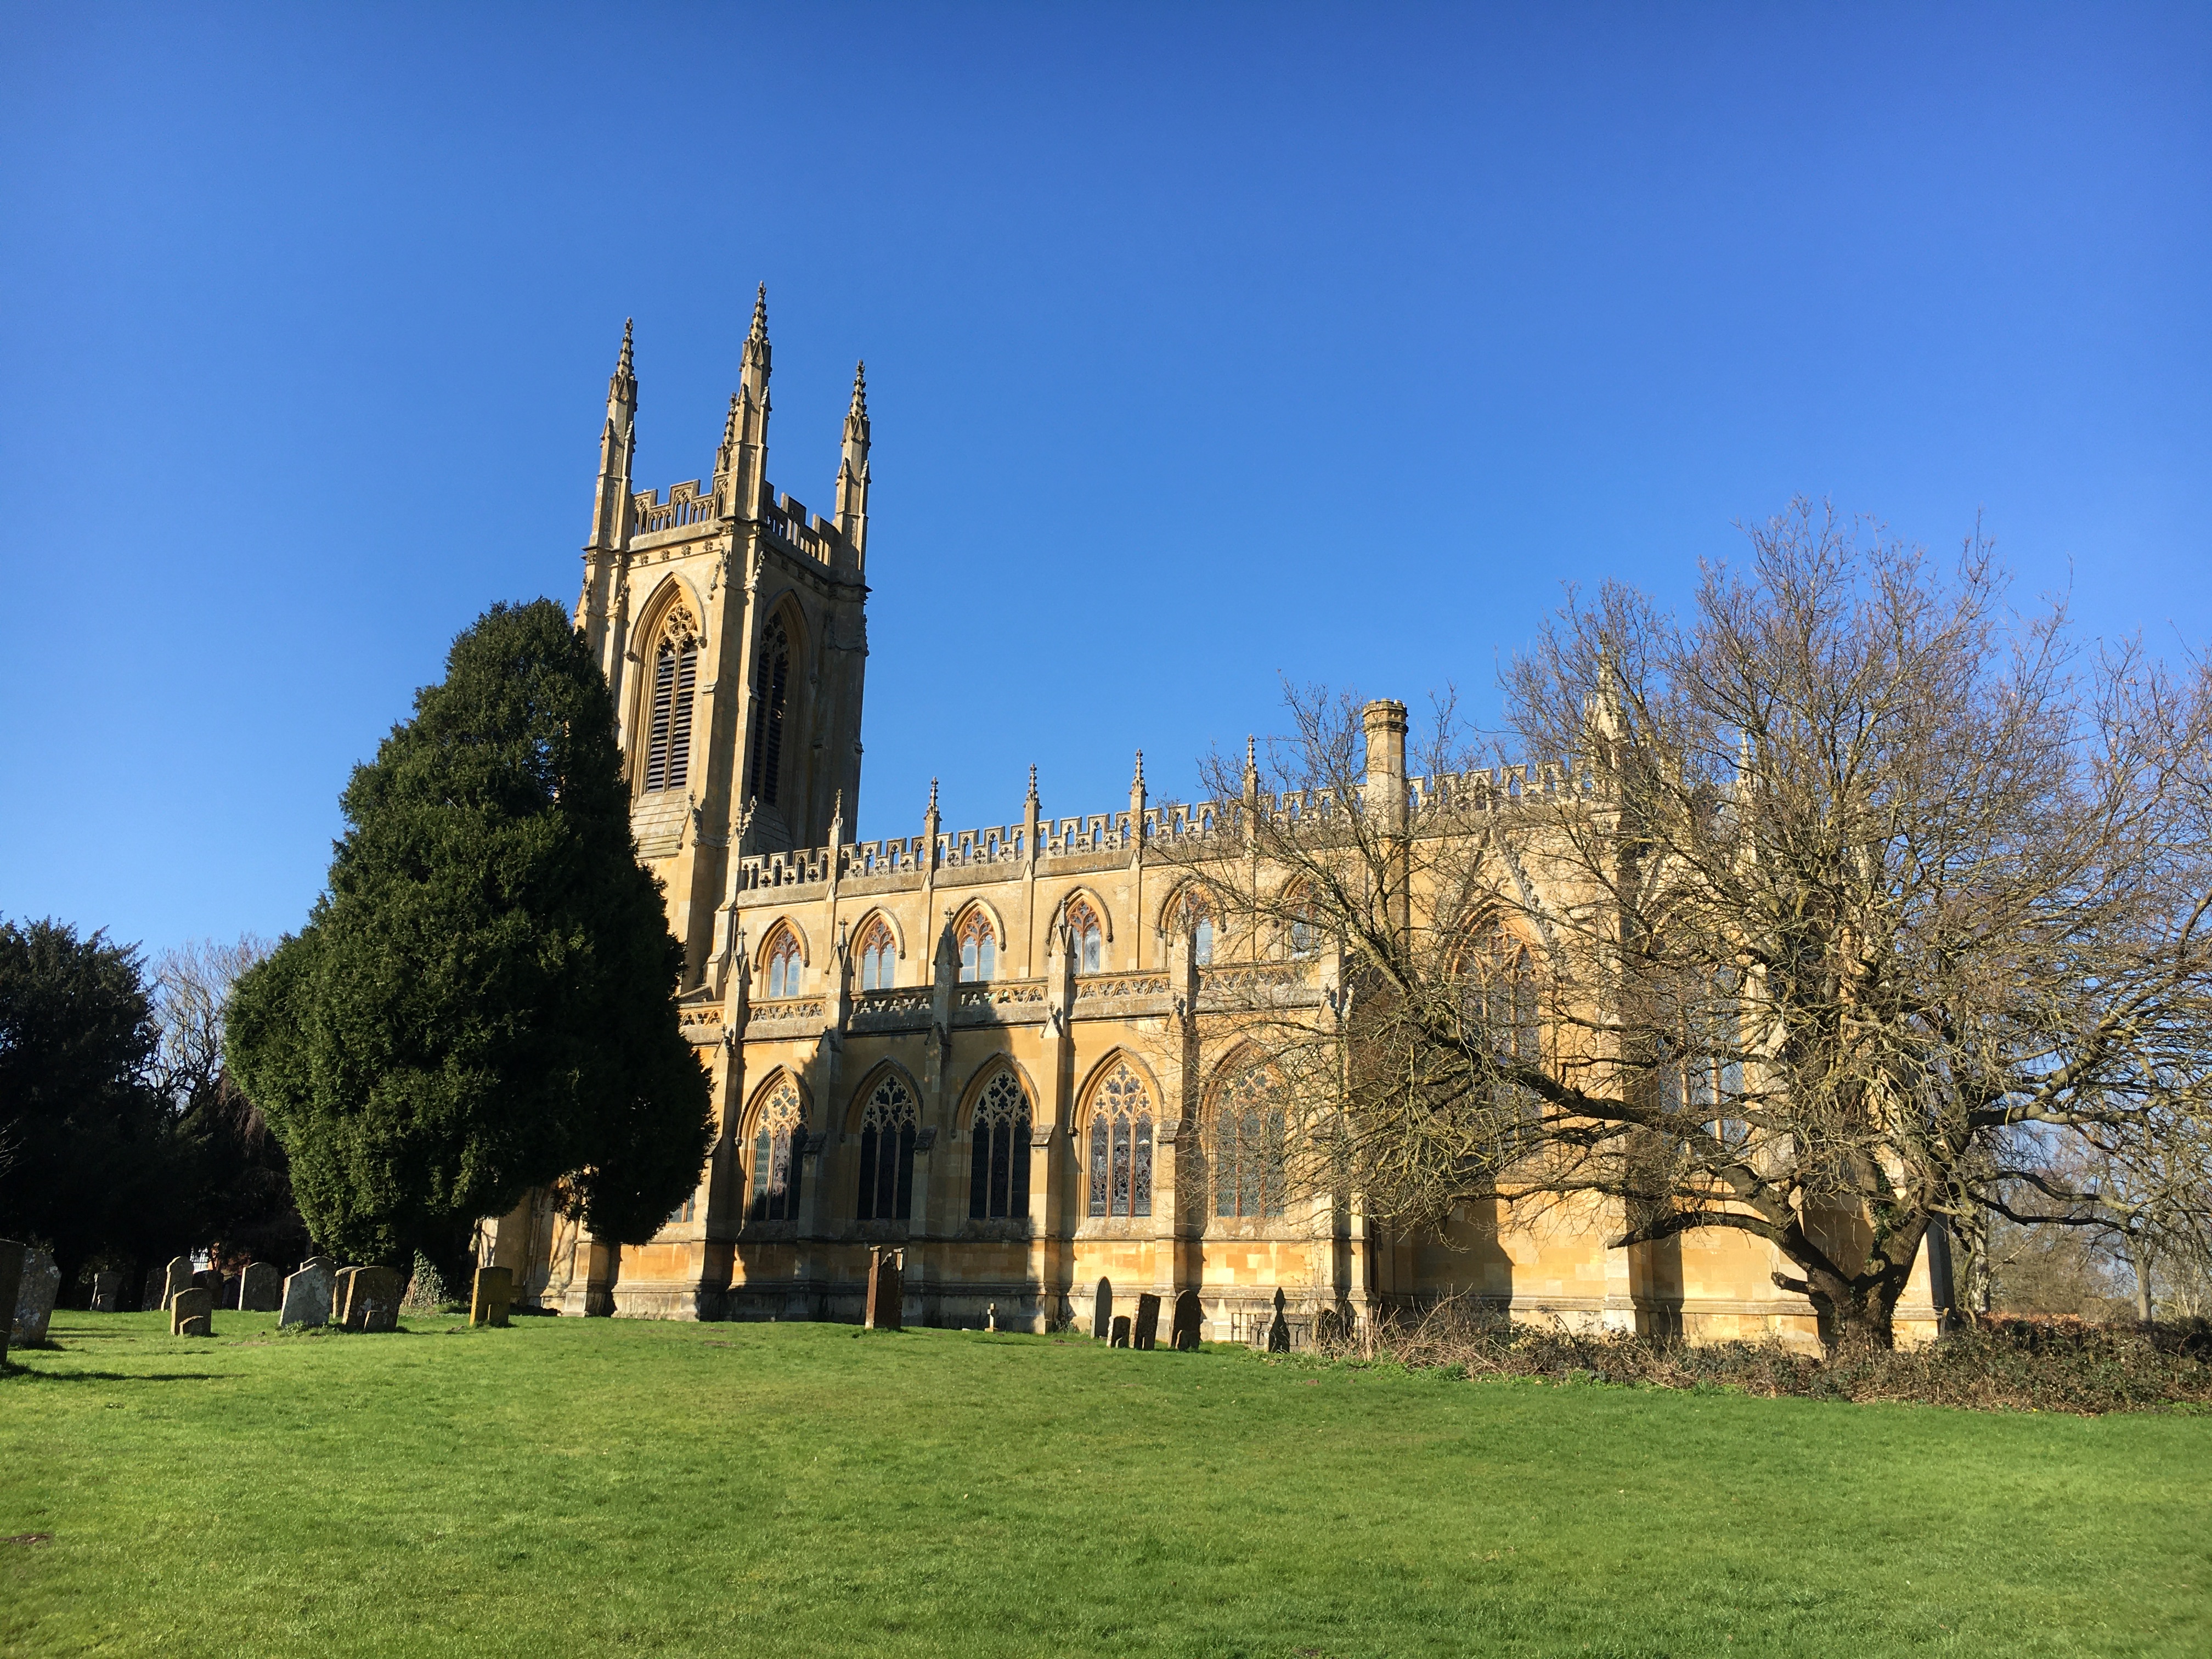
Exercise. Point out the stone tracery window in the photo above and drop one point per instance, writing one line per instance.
(675, 678)
(1084, 936)
(1121, 1146)
(887, 1132)
(1249, 1151)
(778, 1137)
(1499, 1005)
(979, 947)
(1196, 917)
(999, 1167)
(878, 954)
(1299, 933)
(785, 968)
(771, 682)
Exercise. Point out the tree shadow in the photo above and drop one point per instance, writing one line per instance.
(39, 1374)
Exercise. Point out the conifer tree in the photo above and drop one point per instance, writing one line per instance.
(483, 1001)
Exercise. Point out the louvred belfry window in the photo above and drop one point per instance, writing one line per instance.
(1121, 1147)
(770, 683)
(675, 678)
(778, 1140)
(887, 1129)
(999, 1168)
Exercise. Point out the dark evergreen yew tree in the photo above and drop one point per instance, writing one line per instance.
(483, 1001)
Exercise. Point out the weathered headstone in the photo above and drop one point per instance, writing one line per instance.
(1188, 1315)
(1146, 1333)
(152, 1300)
(1102, 1311)
(191, 1313)
(108, 1292)
(991, 1317)
(307, 1298)
(177, 1277)
(11, 1280)
(887, 1290)
(491, 1296)
(1120, 1338)
(260, 1288)
(369, 1299)
(342, 1294)
(328, 1264)
(34, 1297)
(1278, 1330)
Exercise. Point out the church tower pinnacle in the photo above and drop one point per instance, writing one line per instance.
(852, 469)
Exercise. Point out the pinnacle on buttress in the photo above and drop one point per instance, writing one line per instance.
(1032, 795)
(858, 414)
(622, 386)
(730, 422)
(1137, 782)
(933, 794)
(756, 341)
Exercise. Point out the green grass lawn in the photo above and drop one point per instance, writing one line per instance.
(571, 1488)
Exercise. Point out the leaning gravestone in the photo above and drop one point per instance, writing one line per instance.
(1102, 1311)
(1146, 1333)
(177, 1277)
(369, 1300)
(260, 1289)
(307, 1298)
(11, 1279)
(34, 1298)
(108, 1292)
(887, 1309)
(191, 1313)
(1121, 1339)
(491, 1296)
(1187, 1318)
(152, 1299)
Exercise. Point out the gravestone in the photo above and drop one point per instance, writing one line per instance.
(886, 1291)
(991, 1317)
(152, 1299)
(307, 1298)
(1146, 1333)
(1278, 1330)
(328, 1264)
(341, 1293)
(40, 1283)
(191, 1312)
(210, 1281)
(260, 1288)
(178, 1277)
(1188, 1315)
(1102, 1311)
(367, 1299)
(11, 1280)
(108, 1292)
(1121, 1339)
(491, 1296)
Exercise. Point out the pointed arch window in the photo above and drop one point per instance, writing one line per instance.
(675, 679)
(1084, 936)
(878, 956)
(785, 968)
(1249, 1153)
(999, 1167)
(778, 1137)
(771, 681)
(1121, 1146)
(1499, 1006)
(887, 1132)
(1196, 919)
(1299, 932)
(979, 947)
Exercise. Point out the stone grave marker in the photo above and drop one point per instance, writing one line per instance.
(1102, 1311)
(152, 1299)
(108, 1292)
(491, 1296)
(1146, 1333)
(887, 1290)
(991, 1317)
(307, 1298)
(1188, 1315)
(11, 1280)
(328, 1264)
(177, 1277)
(260, 1288)
(341, 1294)
(370, 1300)
(191, 1312)
(1279, 1329)
(34, 1297)
(1120, 1338)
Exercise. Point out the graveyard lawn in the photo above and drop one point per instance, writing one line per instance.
(595, 1487)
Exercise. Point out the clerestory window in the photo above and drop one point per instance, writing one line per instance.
(784, 968)
(1084, 937)
(979, 947)
(878, 956)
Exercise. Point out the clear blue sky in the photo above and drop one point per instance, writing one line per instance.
(1204, 344)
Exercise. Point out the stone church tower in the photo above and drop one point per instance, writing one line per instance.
(731, 625)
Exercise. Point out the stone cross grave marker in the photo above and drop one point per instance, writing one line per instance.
(34, 1298)
(886, 1291)
(1146, 1333)
(108, 1292)
(1121, 1339)
(177, 1277)
(1102, 1311)
(11, 1280)
(191, 1313)
(260, 1288)
(1187, 1318)
(491, 1296)
(306, 1296)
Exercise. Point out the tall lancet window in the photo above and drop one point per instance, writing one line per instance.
(1121, 1147)
(779, 1139)
(998, 1171)
(887, 1135)
(770, 683)
(674, 676)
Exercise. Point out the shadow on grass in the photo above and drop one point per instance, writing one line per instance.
(39, 1374)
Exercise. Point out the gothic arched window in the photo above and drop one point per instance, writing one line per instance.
(878, 953)
(1084, 935)
(998, 1171)
(1250, 1173)
(979, 947)
(675, 676)
(784, 968)
(887, 1126)
(1299, 932)
(1499, 1005)
(1196, 917)
(1121, 1146)
(778, 1137)
(771, 681)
